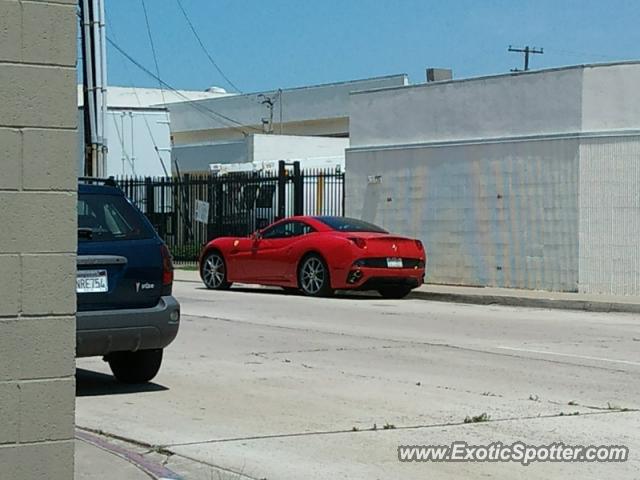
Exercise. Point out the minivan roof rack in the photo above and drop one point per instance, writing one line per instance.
(110, 182)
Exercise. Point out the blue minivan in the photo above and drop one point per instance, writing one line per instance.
(126, 312)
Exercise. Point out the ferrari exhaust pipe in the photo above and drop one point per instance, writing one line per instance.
(354, 276)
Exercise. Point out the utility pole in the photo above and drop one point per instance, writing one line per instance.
(269, 103)
(280, 103)
(526, 50)
(95, 86)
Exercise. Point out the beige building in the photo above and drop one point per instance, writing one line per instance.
(37, 238)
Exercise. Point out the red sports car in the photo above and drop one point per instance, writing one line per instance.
(317, 255)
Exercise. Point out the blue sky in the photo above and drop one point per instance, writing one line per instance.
(272, 44)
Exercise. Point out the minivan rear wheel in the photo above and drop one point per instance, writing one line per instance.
(135, 367)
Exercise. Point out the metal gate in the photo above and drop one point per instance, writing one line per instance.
(190, 210)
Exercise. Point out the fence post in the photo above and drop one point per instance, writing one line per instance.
(344, 193)
(298, 189)
(219, 205)
(186, 210)
(149, 197)
(211, 197)
(282, 187)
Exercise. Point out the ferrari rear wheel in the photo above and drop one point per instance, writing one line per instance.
(394, 292)
(313, 277)
(214, 272)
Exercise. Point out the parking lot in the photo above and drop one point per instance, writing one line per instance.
(264, 384)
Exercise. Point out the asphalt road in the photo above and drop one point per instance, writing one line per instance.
(268, 385)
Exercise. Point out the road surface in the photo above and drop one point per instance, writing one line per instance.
(262, 384)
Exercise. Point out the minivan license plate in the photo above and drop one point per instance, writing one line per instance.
(92, 281)
(394, 262)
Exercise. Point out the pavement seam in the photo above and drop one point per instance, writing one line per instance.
(407, 427)
(410, 342)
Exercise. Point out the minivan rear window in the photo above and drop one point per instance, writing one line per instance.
(108, 218)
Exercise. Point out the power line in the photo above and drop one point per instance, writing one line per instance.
(122, 147)
(213, 62)
(144, 117)
(192, 103)
(153, 49)
(526, 50)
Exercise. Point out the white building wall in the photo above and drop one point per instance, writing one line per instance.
(327, 105)
(133, 136)
(491, 107)
(268, 148)
(501, 214)
(197, 158)
(312, 152)
(611, 98)
(559, 146)
(610, 216)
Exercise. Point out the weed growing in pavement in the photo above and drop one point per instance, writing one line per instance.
(612, 406)
(483, 417)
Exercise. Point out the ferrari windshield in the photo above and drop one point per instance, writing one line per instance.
(345, 224)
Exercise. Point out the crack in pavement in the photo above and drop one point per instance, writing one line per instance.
(325, 350)
(406, 427)
(408, 342)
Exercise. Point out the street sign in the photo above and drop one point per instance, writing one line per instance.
(202, 211)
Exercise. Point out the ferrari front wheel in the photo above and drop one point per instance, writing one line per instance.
(214, 272)
(313, 277)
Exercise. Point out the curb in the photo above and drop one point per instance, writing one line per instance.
(507, 300)
(513, 301)
(154, 470)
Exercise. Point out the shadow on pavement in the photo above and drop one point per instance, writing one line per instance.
(340, 294)
(90, 384)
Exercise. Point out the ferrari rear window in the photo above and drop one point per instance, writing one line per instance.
(345, 224)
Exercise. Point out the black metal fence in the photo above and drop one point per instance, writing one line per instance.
(190, 210)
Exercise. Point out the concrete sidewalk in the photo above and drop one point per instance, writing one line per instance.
(500, 296)
(99, 458)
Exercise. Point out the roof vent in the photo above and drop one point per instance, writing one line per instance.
(439, 74)
(215, 90)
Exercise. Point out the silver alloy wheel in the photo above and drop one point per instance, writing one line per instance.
(213, 271)
(313, 275)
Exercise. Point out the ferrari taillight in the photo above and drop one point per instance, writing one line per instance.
(360, 242)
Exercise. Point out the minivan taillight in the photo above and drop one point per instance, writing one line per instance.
(167, 270)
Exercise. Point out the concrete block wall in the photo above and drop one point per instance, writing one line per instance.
(37, 238)
(610, 216)
(496, 214)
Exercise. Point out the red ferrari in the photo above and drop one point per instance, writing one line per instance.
(317, 255)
